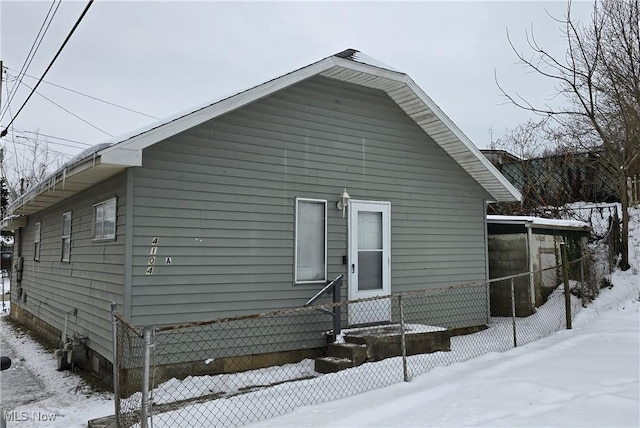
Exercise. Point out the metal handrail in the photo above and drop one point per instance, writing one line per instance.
(336, 285)
(324, 290)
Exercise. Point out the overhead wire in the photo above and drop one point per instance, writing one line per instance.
(32, 144)
(13, 141)
(68, 111)
(32, 52)
(66, 40)
(24, 131)
(92, 97)
(44, 138)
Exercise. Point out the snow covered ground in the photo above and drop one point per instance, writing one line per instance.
(585, 377)
(588, 376)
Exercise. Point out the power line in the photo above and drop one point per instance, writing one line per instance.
(45, 139)
(34, 48)
(92, 97)
(32, 144)
(68, 111)
(86, 9)
(40, 137)
(24, 131)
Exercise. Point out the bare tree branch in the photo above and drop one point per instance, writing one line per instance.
(599, 79)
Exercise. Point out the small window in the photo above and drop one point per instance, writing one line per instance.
(104, 220)
(36, 240)
(66, 236)
(311, 241)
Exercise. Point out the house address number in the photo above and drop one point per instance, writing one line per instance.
(152, 255)
(153, 252)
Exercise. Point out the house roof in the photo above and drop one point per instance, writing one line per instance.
(349, 66)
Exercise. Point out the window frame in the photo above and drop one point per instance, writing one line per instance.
(102, 237)
(37, 238)
(66, 237)
(297, 228)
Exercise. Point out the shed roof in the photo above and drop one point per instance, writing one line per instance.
(349, 66)
(539, 223)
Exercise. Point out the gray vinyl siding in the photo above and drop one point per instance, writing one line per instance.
(221, 199)
(90, 281)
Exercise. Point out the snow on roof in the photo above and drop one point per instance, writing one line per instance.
(538, 221)
(358, 56)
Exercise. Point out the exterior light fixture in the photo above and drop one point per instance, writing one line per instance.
(343, 201)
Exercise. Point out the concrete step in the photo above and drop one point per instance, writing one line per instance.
(332, 364)
(375, 343)
(385, 341)
(352, 351)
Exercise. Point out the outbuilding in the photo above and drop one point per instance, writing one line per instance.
(524, 244)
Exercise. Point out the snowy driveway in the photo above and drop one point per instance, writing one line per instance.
(19, 385)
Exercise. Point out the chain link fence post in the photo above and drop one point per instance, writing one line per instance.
(146, 364)
(114, 349)
(567, 288)
(513, 314)
(585, 288)
(403, 340)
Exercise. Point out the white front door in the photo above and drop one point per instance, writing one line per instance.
(369, 260)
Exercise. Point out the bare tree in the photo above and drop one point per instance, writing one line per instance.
(527, 140)
(599, 77)
(26, 163)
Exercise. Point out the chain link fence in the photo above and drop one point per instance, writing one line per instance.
(234, 371)
(600, 218)
(127, 371)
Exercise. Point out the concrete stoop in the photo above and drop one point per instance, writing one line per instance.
(377, 343)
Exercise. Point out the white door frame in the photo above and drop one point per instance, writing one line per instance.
(377, 310)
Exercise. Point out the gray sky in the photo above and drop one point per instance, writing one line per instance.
(160, 58)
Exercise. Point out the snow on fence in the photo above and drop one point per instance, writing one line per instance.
(235, 371)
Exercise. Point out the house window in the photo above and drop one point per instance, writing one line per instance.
(66, 236)
(36, 241)
(104, 220)
(311, 241)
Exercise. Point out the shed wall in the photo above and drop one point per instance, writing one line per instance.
(509, 255)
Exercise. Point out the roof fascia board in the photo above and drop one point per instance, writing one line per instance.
(535, 226)
(569, 228)
(52, 182)
(124, 157)
(13, 222)
(525, 223)
(463, 139)
(189, 120)
(372, 70)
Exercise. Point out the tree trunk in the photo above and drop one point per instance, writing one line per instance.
(624, 236)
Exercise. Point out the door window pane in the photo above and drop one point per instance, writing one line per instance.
(369, 230)
(369, 270)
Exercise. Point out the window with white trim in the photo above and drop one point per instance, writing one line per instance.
(104, 220)
(36, 240)
(311, 240)
(66, 236)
